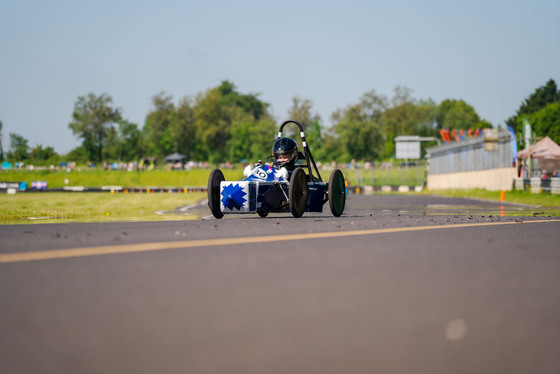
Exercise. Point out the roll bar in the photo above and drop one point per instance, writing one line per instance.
(306, 152)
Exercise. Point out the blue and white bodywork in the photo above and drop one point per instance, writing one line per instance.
(235, 197)
(243, 196)
(266, 190)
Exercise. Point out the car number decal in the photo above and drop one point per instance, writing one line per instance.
(260, 173)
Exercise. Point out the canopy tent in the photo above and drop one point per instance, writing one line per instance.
(545, 148)
(175, 157)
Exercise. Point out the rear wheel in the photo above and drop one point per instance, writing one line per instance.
(262, 213)
(216, 176)
(297, 193)
(337, 193)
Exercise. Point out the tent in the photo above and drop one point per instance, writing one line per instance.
(545, 148)
(6, 165)
(175, 157)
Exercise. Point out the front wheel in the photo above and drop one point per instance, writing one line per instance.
(297, 193)
(216, 176)
(337, 193)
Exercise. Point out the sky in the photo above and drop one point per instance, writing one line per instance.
(492, 54)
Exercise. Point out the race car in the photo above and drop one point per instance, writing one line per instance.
(275, 189)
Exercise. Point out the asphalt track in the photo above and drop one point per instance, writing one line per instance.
(399, 284)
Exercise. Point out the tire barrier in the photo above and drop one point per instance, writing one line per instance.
(555, 185)
(13, 187)
(538, 185)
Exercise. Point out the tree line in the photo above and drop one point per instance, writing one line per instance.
(222, 124)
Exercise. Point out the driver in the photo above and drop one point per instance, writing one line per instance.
(285, 154)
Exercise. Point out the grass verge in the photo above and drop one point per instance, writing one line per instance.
(519, 197)
(92, 207)
(58, 207)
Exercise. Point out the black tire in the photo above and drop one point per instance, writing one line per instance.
(337, 193)
(298, 193)
(216, 176)
(262, 213)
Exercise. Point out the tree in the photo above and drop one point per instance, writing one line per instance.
(78, 154)
(129, 138)
(93, 116)
(111, 150)
(359, 134)
(402, 95)
(399, 118)
(546, 122)
(217, 111)
(123, 142)
(169, 128)
(331, 149)
(251, 140)
(456, 114)
(42, 154)
(539, 99)
(372, 105)
(301, 111)
(19, 147)
(213, 126)
(367, 130)
(426, 118)
(406, 118)
(249, 104)
(157, 126)
(357, 130)
(183, 129)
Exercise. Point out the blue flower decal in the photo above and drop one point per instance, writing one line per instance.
(233, 196)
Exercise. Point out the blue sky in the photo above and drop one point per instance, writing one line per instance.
(492, 54)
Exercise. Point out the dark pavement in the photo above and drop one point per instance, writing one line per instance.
(447, 299)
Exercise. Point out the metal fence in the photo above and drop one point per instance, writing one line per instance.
(493, 150)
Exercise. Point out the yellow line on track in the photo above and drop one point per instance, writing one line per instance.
(144, 247)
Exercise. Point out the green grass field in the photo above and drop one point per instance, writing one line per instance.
(519, 197)
(196, 177)
(49, 207)
(409, 176)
